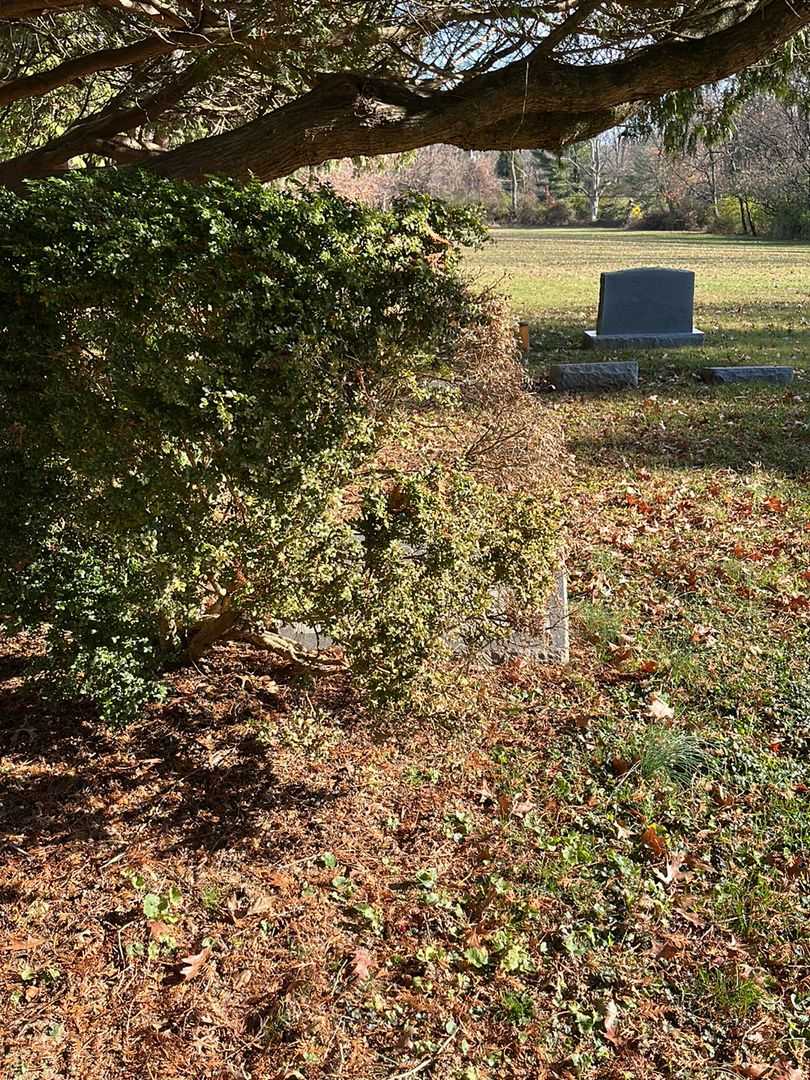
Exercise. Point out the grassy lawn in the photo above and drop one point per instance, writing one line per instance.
(601, 871)
(690, 565)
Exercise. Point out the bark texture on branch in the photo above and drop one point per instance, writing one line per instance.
(90, 63)
(537, 102)
(93, 134)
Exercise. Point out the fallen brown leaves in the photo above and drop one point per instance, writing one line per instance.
(659, 709)
(674, 869)
(283, 964)
(21, 944)
(653, 841)
(782, 1070)
(193, 966)
(612, 1022)
(362, 963)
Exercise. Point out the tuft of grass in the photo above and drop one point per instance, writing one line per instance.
(598, 623)
(672, 755)
(211, 897)
(747, 906)
(516, 1008)
(730, 993)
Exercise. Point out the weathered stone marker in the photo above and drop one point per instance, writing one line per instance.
(645, 308)
(753, 373)
(606, 376)
(523, 334)
(549, 645)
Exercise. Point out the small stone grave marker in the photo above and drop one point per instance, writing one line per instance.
(751, 373)
(611, 375)
(649, 307)
(548, 644)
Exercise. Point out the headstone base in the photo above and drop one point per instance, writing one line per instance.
(762, 373)
(594, 340)
(605, 376)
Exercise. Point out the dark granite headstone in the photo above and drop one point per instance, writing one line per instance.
(648, 307)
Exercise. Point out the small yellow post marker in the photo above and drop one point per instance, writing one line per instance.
(523, 330)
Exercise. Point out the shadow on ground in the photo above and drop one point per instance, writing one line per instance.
(740, 330)
(731, 436)
(674, 419)
(195, 773)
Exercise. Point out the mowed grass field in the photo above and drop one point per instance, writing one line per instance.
(554, 273)
(752, 299)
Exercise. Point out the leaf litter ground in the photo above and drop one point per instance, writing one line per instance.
(601, 871)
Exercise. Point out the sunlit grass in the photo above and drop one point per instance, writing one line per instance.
(689, 572)
(557, 270)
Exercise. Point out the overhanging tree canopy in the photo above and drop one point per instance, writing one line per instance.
(264, 87)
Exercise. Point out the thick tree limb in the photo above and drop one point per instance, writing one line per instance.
(530, 103)
(347, 116)
(209, 630)
(227, 625)
(92, 135)
(308, 659)
(142, 9)
(534, 102)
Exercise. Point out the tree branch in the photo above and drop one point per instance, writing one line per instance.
(307, 659)
(144, 9)
(534, 102)
(529, 103)
(81, 66)
(88, 136)
(566, 27)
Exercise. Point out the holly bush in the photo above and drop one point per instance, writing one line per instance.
(195, 384)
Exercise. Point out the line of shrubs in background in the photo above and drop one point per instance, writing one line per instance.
(609, 182)
(732, 216)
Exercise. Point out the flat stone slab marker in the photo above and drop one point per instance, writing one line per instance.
(604, 376)
(763, 373)
(650, 307)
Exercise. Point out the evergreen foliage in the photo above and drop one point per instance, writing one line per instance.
(194, 386)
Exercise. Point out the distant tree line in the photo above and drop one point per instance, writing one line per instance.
(743, 173)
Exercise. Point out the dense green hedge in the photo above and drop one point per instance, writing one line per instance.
(193, 385)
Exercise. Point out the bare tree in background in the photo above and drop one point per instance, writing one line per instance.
(767, 160)
(596, 168)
